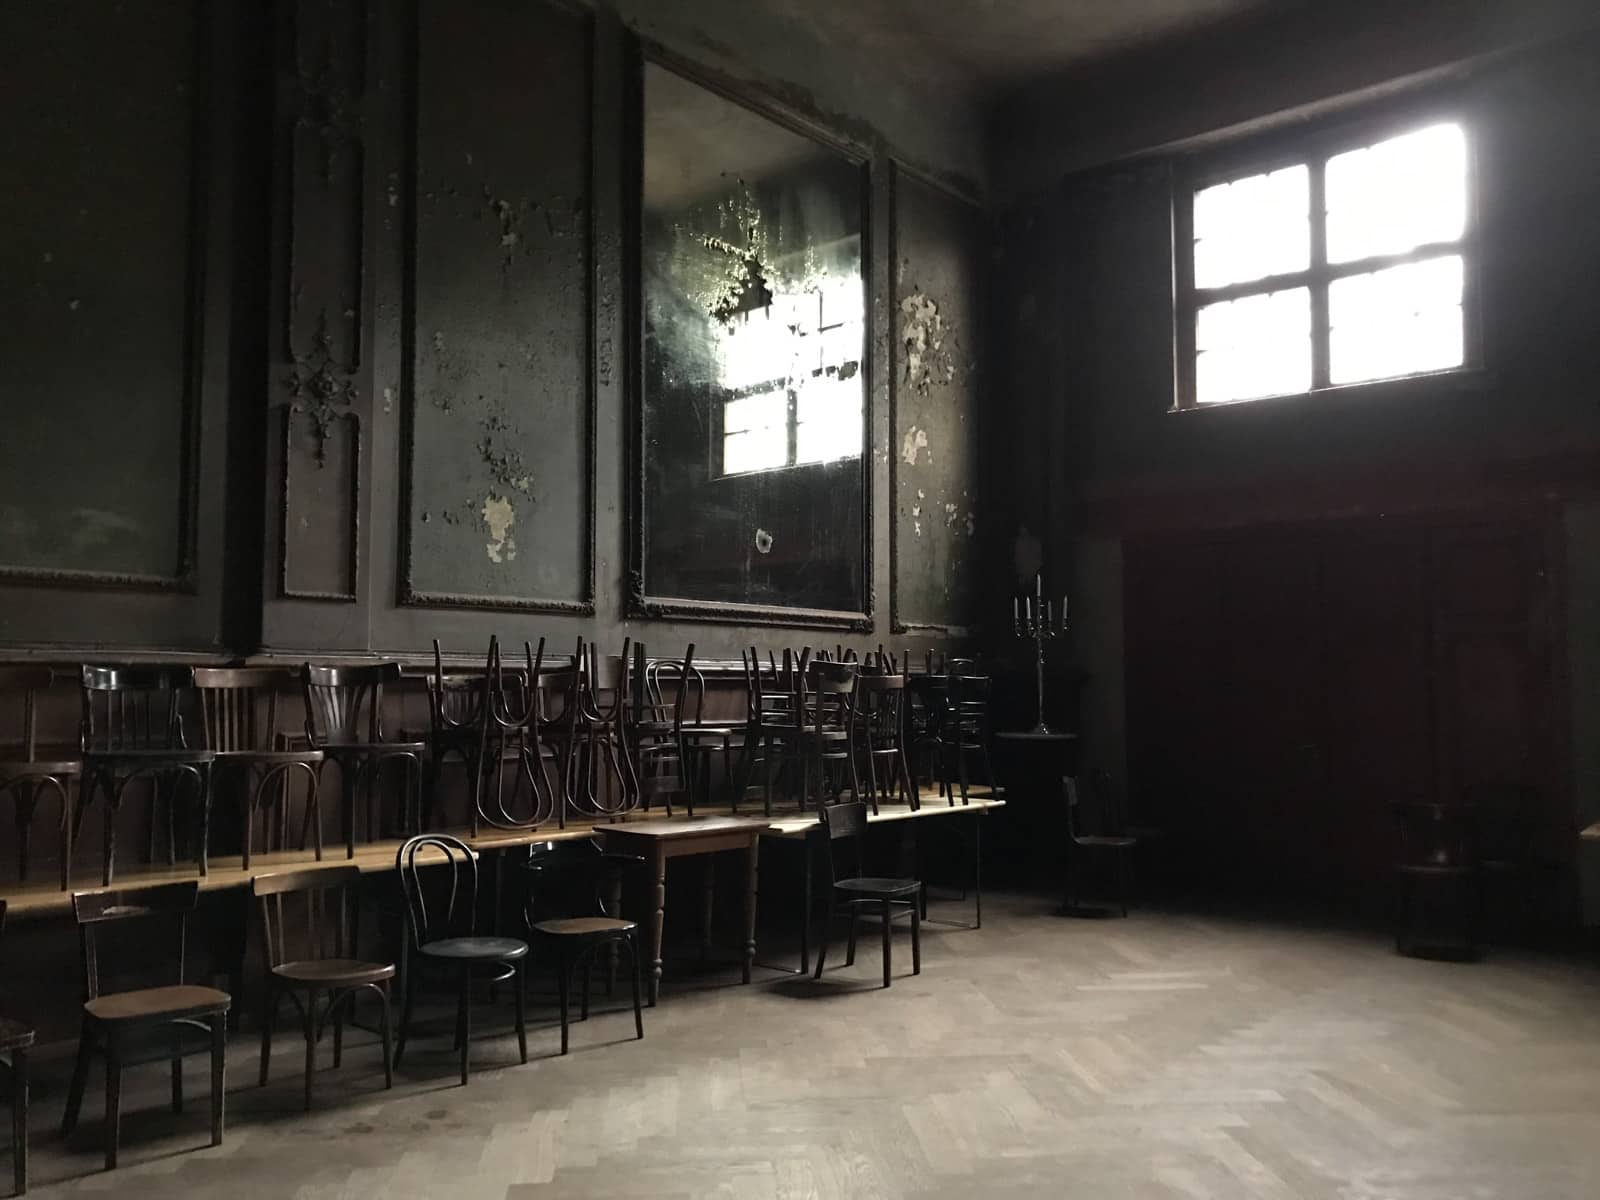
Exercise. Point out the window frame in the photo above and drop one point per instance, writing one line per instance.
(1312, 148)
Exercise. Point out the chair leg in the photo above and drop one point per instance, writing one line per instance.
(311, 1042)
(386, 1017)
(405, 1013)
(466, 1022)
(916, 939)
(850, 946)
(633, 964)
(269, 1017)
(177, 1084)
(113, 1129)
(563, 969)
(588, 979)
(519, 986)
(80, 1079)
(822, 949)
(219, 1074)
(336, 1002)
(19, 1118)
(888, 930)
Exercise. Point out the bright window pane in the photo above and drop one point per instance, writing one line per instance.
(828, 412)
(1396, 322)
(755, 450)
(754, 348)
(1394, 196)
(1252, 228)
(755, 412)
(1254, 346)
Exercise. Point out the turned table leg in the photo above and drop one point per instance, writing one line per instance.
(657, 923)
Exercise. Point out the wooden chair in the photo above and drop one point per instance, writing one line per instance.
(25, 776)
(311, 951)
(854, 892)
(133, 731)
(16, 1041)
(344, 720)
(880, 737)
(573, 889)
(822, 738)
(1436, 870)
(665, 769)
(441, 919)
(553, 725)
(964, 730)
(147, 1024)
(232, 701)
(604, 739)
(1112, 841)
(512, 703)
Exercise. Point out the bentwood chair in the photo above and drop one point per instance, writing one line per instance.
(854, 893)
(513, 703)
(16, 1041)
(164, 1023)
(822, 742)
(239, 723)
(310, 935)
(132, 732)
(964, 732)
(27, 777)
(880, 738)
(1112, 841)
(344, 720)
(573, 892)
(607, 779)
(665, 769)
(439, 880)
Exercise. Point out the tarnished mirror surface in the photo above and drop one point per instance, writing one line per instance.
(754, 400)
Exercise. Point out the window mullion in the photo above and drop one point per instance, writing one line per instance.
(1319, 273)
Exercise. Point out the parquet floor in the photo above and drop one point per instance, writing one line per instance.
(1165, 1056)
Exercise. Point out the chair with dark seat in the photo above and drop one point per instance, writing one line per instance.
(26, 776)
(344, 720)
(855, 893)
(16, 1041)
(657, 728)
(239, 723)
(132, 732)
(820, 742)
(439, 881)
(963, 731)
(573, 893)
(1110, 841)
(880, 737)
(604, 740)
(1437, 875)
(164, 1023)
(310, 935)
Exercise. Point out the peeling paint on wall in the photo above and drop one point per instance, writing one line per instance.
(504, 462)
(499, 517)
(916, 440)
(924, 336)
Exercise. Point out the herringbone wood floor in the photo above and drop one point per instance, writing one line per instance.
(1162, 1056)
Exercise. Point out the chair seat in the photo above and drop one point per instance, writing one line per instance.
(1105, 840)
(362, 749)
(334, 972)
(158, 1004)
(476, 949)
(268, 758)
(583, 926)
(150, 758)
(873, 885)
(18, 771)
(14, 1035)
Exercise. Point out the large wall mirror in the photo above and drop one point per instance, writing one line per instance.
(753, 463)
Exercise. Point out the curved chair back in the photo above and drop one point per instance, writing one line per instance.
(439, 880)
(308, 915)
(239, 706)
(133, 708)
(344, 705)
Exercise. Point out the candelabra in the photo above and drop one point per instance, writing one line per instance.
(1035, 617)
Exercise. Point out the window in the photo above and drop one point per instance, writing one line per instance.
(1346, 266)
(789, 369)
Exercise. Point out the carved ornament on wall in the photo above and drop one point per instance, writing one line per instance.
(321, 387)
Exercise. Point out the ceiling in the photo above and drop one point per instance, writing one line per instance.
(994, 44)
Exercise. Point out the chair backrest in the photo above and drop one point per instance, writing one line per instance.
(1110, 801)
(132, 708)
(574, 879)
(27, 682)
(685, 682)
(344, 705)
(846, 829)
(231, 704)
(460, 700)
(308, 914)
(1433, 835)
(165, 904)
(831, 703)
(439, 881)
(514, 693)
(607, 681)
(880, 704)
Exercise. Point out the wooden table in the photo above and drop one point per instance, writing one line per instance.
(665, 838)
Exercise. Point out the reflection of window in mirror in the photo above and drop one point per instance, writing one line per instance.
(788, 370)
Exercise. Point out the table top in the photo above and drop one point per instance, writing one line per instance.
(685, 827)
(1033, 735)
(1590, 833)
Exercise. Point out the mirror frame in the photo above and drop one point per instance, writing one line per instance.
(640, 601)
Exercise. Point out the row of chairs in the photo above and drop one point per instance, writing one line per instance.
(309, 932)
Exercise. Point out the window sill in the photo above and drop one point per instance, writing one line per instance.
(1438, 383)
